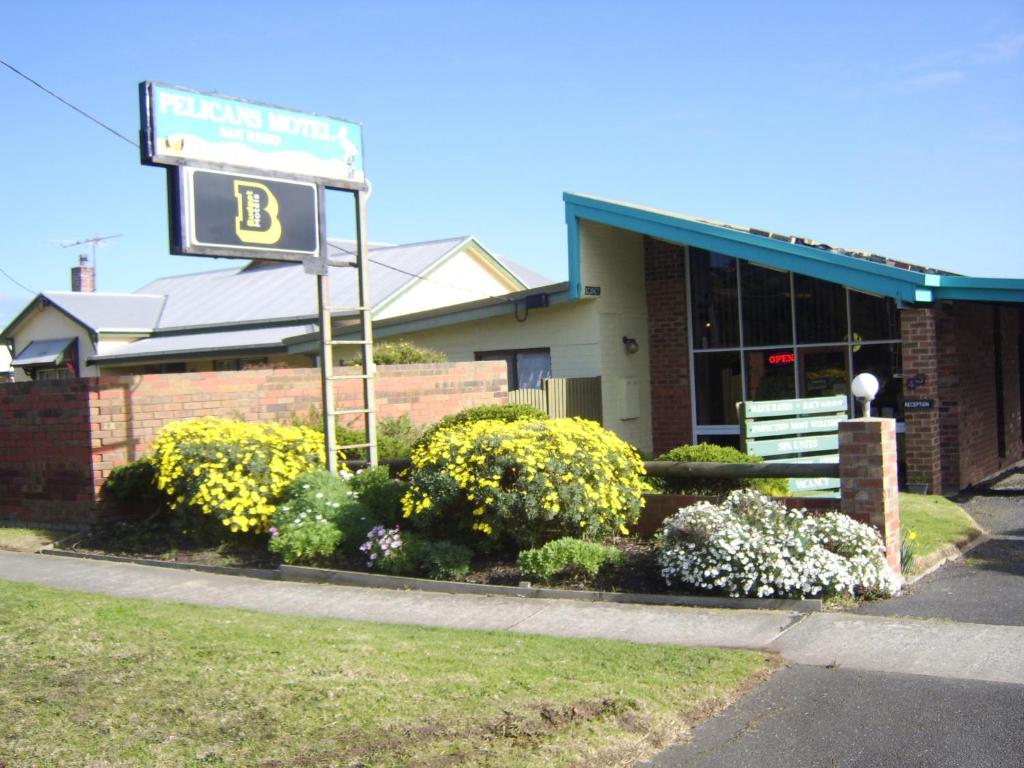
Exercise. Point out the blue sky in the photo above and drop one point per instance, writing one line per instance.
(891, 127)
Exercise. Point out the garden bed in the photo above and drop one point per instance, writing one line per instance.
(638, 581)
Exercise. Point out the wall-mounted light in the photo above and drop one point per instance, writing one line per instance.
(865, 387)
(631, 345)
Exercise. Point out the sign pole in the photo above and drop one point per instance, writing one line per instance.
(366, 328)
(323, 293)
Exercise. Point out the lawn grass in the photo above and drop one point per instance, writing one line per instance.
(27, 539)
(93, 680)
(936, 520)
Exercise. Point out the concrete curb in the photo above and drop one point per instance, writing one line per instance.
(949, 552)
(381, 581)
(271, 574)
(306, 574)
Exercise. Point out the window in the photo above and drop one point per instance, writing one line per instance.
(882, 361)
(873, 318)
(742, 320)
(714, 292)
(719, 387)
(767, 308)
(240, 364)
(527, 368)
(820, 311)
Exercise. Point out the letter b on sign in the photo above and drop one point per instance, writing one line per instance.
(257, 218)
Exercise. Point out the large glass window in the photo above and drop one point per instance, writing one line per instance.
(770, 374)
(873, 318)
(719, 387)
(743, 318)
(820, 311)
(823, 372)
(883, 361)
(714, 297)
(767, 309)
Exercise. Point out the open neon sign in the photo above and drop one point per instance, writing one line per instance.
(781, 358)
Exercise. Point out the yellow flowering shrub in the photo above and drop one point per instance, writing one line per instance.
(233, 470)
(524, 483)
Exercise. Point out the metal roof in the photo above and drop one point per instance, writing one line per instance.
(241, 340)
(102, 312)
(861, 271)
(42, 352)
(274, 291)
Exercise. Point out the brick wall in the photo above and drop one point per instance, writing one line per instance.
(665, 277)
(920, 367)
(62, 439)
(950, 351)
(45, 452)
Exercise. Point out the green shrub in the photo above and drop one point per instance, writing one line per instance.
(132, 488)
(315, 515)
(395, 438)
(400, 352)
(441, 559)
(520, 484)
(504, 412)
(403, 553)
(380, 495)
(232, 471)
(710, 486)
(573, 558)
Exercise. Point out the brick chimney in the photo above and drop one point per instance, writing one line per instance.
(83, 277)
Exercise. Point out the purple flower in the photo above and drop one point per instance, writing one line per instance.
(274, 532)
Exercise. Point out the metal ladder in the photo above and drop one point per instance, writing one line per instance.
(328, 343)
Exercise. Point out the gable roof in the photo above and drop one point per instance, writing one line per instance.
(274, 291)
(871, 273)
(99, 312)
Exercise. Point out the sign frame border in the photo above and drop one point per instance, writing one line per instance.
(179, 220)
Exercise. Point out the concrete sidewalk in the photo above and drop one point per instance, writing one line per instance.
(914, 646)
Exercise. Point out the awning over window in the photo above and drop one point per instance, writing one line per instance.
(44, 352)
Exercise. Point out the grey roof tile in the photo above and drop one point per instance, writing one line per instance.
(109, 311)
(226, 341)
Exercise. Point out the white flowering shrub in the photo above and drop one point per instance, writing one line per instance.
(751, 545)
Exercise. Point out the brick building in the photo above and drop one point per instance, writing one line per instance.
(722, 313)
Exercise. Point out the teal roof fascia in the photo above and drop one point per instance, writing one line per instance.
(572, 223)
(999, 290)
(900, 284)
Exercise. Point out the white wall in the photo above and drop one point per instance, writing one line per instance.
(568, 330)
(465, 276)
(48, 323)
(613, 260)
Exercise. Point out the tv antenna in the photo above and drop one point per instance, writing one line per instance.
(94, 241)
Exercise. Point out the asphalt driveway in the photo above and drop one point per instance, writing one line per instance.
(834, 716)
(986, 586)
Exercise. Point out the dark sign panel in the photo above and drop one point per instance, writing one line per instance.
(248, 217)
(918, 405)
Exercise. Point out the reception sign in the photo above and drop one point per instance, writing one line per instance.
(186, 127)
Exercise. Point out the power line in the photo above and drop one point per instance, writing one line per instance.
(67, 103)
(23, 287)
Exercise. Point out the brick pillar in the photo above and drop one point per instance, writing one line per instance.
(922, 442)
(867, 477)
(665, 286)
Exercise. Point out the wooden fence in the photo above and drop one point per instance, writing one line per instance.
(564, 397)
